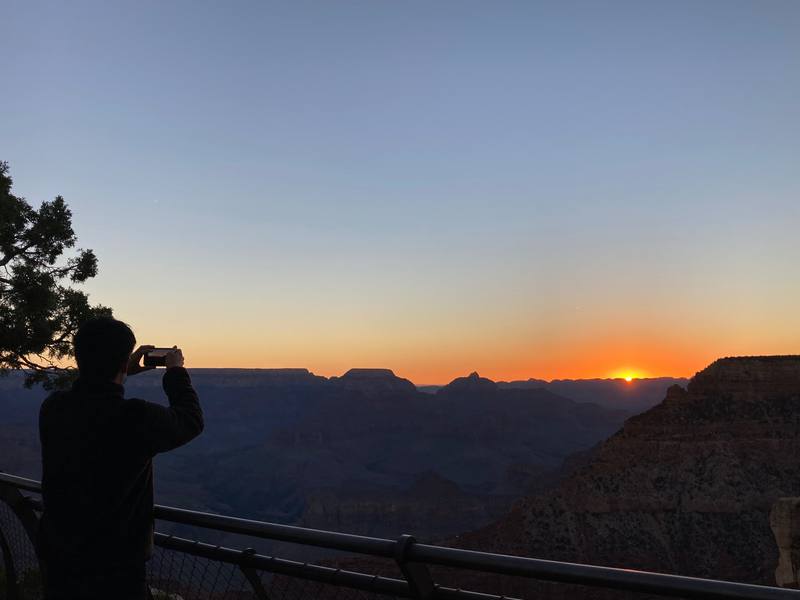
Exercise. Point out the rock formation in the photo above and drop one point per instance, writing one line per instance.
(785, 522)
(472, 384)
(685, 487)
(374, 381)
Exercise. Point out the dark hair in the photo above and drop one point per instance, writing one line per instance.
(102, 346)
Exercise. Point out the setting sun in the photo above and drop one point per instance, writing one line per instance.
(628, 374)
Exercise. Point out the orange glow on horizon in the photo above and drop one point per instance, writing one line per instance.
(427, 363)
(428, 369)
(429, 353)
(439, 370)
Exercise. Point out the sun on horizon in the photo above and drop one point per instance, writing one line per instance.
(628, 375)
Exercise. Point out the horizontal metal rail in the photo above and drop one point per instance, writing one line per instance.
(561, 572)
(594, 576)
(322, 574)
(27, 485)
(385, 585)
(284, 533)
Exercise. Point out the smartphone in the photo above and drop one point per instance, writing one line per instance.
(157, 357)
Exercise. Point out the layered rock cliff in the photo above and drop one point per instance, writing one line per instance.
(685, 487)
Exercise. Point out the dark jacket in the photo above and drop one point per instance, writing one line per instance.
(97, 473)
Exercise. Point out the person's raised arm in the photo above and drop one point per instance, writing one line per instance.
(169, 427)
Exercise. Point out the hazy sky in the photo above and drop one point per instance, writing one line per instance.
(526, 189)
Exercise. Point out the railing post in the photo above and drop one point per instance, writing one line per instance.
(252, 576)
(419, 578)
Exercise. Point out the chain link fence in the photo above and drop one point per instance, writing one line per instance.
(18, 550)
(174, 575)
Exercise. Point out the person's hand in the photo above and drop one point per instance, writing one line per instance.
(174, 358)
(133, 364)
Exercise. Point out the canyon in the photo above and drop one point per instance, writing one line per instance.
(365, 452)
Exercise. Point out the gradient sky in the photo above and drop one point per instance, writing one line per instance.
(526, 189)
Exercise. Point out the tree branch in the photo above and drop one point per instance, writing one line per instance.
(8, 258)
(61, 271)
(36, 366)
(47, 360)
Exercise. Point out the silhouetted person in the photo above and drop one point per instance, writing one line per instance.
(97, 470)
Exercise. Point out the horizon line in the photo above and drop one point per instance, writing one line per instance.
(543, 380)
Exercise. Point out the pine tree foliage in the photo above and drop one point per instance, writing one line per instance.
(40, 309)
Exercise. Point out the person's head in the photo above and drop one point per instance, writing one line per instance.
(103, 347)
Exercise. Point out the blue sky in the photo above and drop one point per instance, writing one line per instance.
(527, 188)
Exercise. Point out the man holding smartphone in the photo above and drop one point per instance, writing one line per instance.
(97, 470)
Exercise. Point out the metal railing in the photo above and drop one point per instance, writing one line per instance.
(176, 572)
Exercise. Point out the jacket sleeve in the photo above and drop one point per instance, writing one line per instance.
(166, 428)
